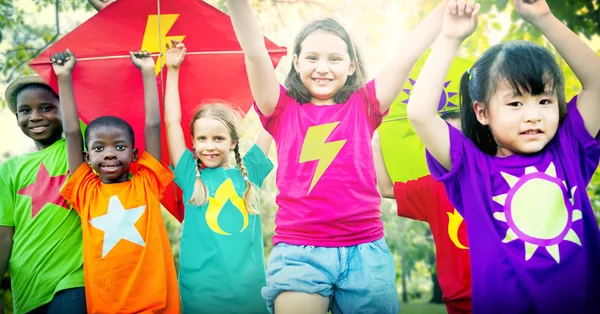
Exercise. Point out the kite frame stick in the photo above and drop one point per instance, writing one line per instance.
(162, 54)
(406, 118)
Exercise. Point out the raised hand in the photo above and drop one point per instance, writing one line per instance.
(63, 63)
(100, 4)
(532, 10)
(142, 60)
(175, 54)
(460, 20)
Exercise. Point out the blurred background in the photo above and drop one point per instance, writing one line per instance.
(27, 27)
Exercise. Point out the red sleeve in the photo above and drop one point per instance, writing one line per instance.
(154, 174)
(416, 198)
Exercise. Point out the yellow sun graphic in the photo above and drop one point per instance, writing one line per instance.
(538, 211)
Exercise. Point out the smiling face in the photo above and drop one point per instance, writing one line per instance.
(323, 65)
(521, 123)
(110, 153)
(212, 142)
(38, 115)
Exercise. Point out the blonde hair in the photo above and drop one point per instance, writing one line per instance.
(231, 117)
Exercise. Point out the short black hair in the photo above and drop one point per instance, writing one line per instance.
(450, 115)
(34, 86)
(109, 122)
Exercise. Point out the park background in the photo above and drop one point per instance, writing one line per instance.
(27, 27)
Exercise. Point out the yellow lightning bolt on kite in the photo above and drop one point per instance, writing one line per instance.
(315, 148)
(225, 192)
(152, 43)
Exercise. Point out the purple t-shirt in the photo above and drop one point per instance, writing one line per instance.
(535, 244)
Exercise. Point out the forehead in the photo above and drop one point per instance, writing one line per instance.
(108, 134)
(34, 96)
(323, 42)
(210, 126)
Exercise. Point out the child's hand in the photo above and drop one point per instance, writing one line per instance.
(142, 60)
(460, 19)
(175, 54)
(63, 63)
(532, 10)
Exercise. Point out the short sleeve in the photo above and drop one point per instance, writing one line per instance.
(258, 165)
(79, 185)
(416, 198)
(185, 171)
(572, 132)
(155, 174)
(374, 114)
(7, 201)
(271, 122)
(457, 154)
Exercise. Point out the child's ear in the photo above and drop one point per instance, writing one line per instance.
(233, 144)
(135, 155)
(86, 158)
(481, 113)
(352, 68)
(295, 62)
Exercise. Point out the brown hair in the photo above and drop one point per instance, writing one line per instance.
(294, 85)
(231, 118)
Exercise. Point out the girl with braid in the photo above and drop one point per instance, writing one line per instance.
(222, 267)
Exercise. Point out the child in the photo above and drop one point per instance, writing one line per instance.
(40, 237)
(129, 266)
(329, 246)
(425, 199)
(222, 266)
(519, 174)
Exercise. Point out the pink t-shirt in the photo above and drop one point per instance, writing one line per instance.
(326, 175)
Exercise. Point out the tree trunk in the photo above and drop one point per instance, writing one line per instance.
(437, 290)
(404, 271)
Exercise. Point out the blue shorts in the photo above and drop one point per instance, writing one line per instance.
(356, 279)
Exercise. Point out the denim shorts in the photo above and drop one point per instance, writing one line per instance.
(356, 279)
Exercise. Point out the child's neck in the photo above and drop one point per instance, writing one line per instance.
(41, 145)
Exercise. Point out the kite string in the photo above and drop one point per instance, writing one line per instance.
(160, 54)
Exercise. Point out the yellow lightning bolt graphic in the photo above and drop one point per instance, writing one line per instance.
(315, 148)
(152, 43)
(225, 192)
(453, 224)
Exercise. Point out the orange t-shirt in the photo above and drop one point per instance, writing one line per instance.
(127, 258)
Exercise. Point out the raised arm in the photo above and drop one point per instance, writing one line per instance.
(144, 62)
(264, 141)
(583, 61)
(100, 4)
(384, 182)
(261, 74)
(422, 107)
(175, 137)
(390, 81)
(63, 64)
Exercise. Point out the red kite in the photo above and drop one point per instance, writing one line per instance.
(107, 83)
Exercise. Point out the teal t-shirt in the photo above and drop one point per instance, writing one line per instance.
(222, 266)
(47, 250)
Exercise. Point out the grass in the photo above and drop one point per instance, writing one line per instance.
(422, 308)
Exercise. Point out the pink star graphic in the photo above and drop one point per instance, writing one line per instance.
(45, 189)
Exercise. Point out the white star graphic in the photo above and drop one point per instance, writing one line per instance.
(118, 223)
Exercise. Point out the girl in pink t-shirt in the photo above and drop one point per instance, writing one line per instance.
(329, 248)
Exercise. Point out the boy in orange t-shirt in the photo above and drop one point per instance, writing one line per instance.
(128, 264)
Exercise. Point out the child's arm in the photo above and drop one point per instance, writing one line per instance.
(384, 182)
(391, 80)
(175, 137)
(582, 60)
(458, 24)
(6, 244)
(63, 64)
(144, 62)
(100, 4)
(261, 74)
(264, 141)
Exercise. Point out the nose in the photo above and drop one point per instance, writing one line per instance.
(532, 113)
(36, 115)
(322, 66)
(109, 155)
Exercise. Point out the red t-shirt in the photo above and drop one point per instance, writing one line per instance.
(425, 199)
